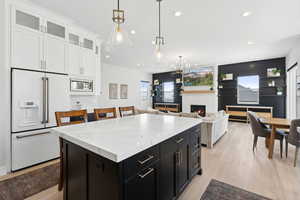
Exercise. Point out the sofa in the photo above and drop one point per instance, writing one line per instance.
(214, 125)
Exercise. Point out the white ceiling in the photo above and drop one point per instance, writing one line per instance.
(209, 32)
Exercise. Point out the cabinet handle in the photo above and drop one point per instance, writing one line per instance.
(147, 173)
(179, 141)
(178, 158)
(150, 157)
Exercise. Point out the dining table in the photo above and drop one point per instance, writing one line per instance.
(275, 123)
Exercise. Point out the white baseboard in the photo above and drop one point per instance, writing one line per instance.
(2, 170)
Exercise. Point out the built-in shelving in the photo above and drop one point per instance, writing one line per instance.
(268, 95)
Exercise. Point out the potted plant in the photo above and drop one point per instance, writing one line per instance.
(222, 76)
(279, 91)
(276, 72)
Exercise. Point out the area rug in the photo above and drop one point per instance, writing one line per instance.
(217, 190)
(26, 185)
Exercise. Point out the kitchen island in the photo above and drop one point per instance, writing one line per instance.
(146, 156)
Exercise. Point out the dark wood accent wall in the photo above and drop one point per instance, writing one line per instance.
(267, 95)
(157, 89)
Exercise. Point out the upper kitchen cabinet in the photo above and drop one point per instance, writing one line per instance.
(37, 42)
(55, 47)
(27, 41)
(83, 54)
(74, 54)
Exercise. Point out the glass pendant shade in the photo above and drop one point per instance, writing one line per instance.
(159, 53)
(118, 37)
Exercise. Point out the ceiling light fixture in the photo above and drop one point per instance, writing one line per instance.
(118, 35)
(179, 65)
(159, 40)
(107, 56)
(247, 13)
(132, 32)
(250, 43)
(177, 14)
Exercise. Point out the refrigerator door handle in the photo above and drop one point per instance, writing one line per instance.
(47, 99)
(44, 100)
(32, 135)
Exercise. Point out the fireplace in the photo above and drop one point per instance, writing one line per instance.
(200, 109)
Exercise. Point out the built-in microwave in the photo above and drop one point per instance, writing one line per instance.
(81, 86)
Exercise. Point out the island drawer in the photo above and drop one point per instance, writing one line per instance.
(195, 143)
(138, 162)
(195, 130)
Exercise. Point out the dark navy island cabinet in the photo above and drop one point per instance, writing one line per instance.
(161, 172)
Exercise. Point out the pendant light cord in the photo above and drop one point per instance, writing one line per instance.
(159, 21)
(118, 4)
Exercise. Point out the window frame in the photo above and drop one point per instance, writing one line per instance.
(173, 92)
(238, 94)
(142, 96)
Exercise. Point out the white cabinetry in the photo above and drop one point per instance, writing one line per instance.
(82, 55)
(27, 41)
(38, 43)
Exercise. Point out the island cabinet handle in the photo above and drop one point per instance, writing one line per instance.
(178, 156)
(179, 141)
(147, 173)
(150, 157)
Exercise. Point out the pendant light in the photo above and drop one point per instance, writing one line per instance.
(118, 35)
(159, 40)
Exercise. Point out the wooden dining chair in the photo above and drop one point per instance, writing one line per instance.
(64, 119)
(126, 111)
(105, 113)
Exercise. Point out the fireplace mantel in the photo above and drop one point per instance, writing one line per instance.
(198, 92)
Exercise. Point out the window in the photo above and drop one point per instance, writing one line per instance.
(248, 89)
(144, 90)
(168, 92)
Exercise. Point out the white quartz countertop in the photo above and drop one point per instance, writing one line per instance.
(119, 139)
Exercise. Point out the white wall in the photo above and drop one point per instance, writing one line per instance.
(293, 106)
(209, 100)
(123, 75)
(119, 75)
(4, 91)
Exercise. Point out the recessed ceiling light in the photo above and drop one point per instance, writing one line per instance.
(177, 13)
(107, 56)
(250, 43)
(153, 42)
(132, 32)
(247, 13)
(138, 65)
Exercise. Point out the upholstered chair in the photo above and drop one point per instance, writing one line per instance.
(293, 138)
(260, 130)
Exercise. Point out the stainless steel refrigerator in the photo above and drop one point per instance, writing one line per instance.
(36, 96)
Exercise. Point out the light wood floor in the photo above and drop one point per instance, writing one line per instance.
(232, 161)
